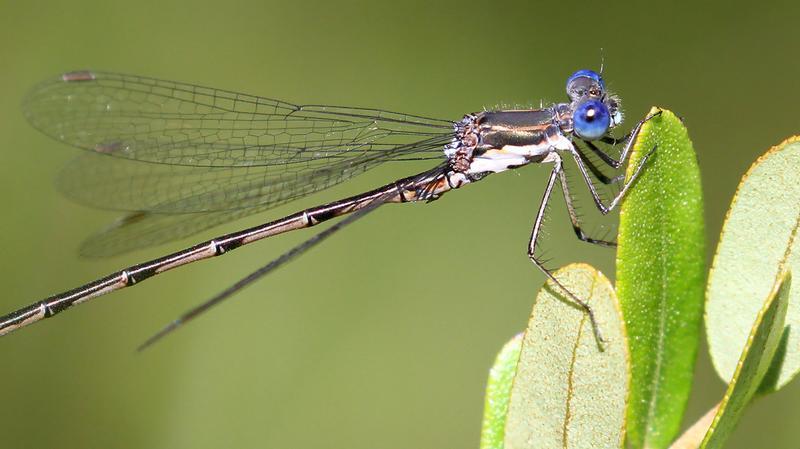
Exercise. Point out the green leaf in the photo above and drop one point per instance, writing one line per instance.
(759, 349)
(758, 240)
(498, 391)
(567, 393)
(660, 279)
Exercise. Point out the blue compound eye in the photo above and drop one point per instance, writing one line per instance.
(582, 82)
(591, 119)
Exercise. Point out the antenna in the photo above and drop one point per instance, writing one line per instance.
(602, 60)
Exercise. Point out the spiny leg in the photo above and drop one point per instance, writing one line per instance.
(537, 224)
(583, 163)
(597, 200)
(573, 216)
(629, 140)
(602, 177)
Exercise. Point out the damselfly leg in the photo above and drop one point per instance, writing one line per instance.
(558, 172)
(629, 140)
(575, 219)
(596, 171)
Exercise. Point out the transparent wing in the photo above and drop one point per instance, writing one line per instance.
(166, 122)
(98, 180)
(144, 229)
(138, 230)
(183, 158)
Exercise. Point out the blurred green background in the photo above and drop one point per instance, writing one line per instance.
(382, 337)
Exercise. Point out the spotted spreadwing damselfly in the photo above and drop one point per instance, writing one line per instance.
(179, 158)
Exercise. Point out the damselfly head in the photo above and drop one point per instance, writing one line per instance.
(595, 111)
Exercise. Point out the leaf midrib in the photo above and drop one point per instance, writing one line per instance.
(571, 372)
(662, 317)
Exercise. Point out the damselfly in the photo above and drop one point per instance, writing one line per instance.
(180, 158)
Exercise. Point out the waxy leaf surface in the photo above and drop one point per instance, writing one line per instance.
(759, 349)
(498, 391)
(758, 242)
(661, 278)
(567, 392)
